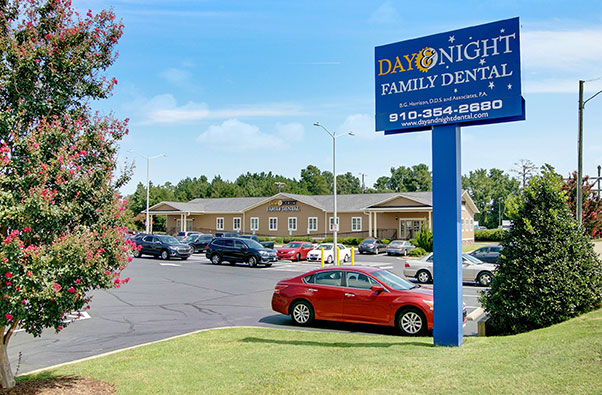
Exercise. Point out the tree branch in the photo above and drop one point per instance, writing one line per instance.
(8, 334)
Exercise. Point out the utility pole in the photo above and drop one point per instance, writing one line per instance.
(363, 183)
(599, 190)
(579, 180)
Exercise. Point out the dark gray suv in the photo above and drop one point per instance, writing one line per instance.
(233, 250)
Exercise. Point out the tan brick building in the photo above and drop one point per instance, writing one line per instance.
(384, 215)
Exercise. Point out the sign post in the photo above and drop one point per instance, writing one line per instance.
(464, 77)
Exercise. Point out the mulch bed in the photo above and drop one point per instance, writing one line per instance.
(61, 385)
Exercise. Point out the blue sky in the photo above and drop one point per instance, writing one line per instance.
(229, 87)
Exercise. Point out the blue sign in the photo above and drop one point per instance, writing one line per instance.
(466, 77)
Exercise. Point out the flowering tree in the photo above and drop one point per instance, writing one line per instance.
(61, 232)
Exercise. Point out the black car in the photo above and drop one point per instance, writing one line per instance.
(198, 242)
(162, 246)
(227, 234)
(266, 244)
(233, 250)
(489, 254)
(372, 246)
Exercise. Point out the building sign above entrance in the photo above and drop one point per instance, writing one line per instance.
(283, 205)
(467, 77)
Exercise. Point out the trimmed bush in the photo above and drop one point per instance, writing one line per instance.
(386, 241)
(548, 271)
(418, 251)
(490, 234)
(425, 239)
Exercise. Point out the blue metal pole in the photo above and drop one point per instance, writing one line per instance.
(447, 236)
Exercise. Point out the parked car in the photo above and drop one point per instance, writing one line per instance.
(399, 247)
(295, 250)
(473, 270)
(315, 255)
(372, 246)
(198, 242)
(182, 235)
(356, 294)
(227, 234)
(489, 254)
(266, 244)
(233, 250)
(162, 246)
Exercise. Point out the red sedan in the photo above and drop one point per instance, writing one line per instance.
(356, 294)
(295, 250)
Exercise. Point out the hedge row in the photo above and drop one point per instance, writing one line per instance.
(489, 235)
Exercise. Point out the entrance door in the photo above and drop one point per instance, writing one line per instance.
(409, 228)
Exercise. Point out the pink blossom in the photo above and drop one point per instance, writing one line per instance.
(8, 316)
(8, 275)
(27, 229)
(71, 290)
(78, 281)
(56, 287)
(114, 80)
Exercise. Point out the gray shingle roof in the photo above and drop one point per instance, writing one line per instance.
(355, 202)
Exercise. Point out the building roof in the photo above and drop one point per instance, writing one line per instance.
(355, 202)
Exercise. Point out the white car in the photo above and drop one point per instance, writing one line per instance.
(315, 255)
(473, 269)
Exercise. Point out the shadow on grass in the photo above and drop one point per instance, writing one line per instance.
(331, 344)
(282, 320)
(49, 383)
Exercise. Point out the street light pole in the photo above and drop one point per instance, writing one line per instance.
(334, 183)
(579, 180)
(148, 158)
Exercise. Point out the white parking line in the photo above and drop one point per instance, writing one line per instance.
(169, 264)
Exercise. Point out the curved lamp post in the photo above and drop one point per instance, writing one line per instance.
(148, 158)
(334, 182)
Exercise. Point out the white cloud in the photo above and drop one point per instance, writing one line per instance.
(236, 136)
(576, 50)
(163, 109)
(290, 131)
(362, 126)
(176, 76)
(386, 13)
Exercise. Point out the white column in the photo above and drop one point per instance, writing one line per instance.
(430, 220)
(375, 224)
(369, 223)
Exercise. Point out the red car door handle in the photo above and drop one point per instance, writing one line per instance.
(312, 290)
(349, 295)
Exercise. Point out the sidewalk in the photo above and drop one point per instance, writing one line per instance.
(598, 247)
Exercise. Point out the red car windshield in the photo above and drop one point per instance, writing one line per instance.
(292, 245)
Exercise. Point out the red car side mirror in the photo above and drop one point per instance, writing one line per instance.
(377, 288)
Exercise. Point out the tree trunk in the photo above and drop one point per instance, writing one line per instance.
(7, 379)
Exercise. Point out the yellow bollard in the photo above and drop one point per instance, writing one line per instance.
(322, 256)
(338, 254)
(352, 256)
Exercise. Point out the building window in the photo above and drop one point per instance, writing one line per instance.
(471, 224)
(331, 222)
(219, 223)
(292, 223)
(273, 223)
(312, 224)
(356, 224)
(188, 225)
(254, 223)
(236, 223)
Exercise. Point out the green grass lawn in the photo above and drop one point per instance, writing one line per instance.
(566, 358)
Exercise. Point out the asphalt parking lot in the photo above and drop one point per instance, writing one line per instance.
(169, 298)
